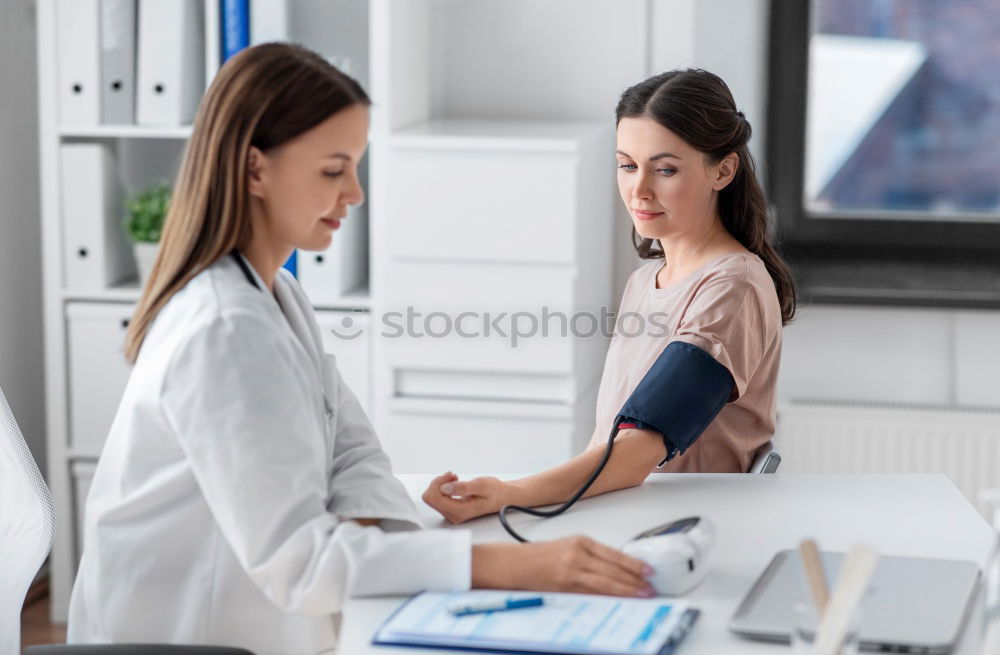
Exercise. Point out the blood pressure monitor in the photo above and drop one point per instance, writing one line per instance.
(679, 553)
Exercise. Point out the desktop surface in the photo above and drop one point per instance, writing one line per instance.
(755, 516)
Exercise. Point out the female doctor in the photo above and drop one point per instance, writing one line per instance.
(242, 495)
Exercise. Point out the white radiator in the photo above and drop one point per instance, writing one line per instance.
(828, 437)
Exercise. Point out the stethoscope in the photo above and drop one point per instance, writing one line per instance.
(243, 267)
(679, 551)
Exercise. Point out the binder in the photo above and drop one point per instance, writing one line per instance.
(327, 276)
(171, 66)
(235, 26)
(213, 41)
(78, 56)
(96, 253)
(292, 264)
(117, 61)
(268, 21)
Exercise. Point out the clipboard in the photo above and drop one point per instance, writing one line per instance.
(565, 624)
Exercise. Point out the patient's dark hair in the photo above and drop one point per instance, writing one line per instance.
(698, 107)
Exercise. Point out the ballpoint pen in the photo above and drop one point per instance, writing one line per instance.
(496, 605)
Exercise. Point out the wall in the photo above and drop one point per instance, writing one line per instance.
(913, 356)
(21, 355)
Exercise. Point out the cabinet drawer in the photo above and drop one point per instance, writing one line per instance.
(481, 205)
(482, 317)
(98, 371)
(346, 336)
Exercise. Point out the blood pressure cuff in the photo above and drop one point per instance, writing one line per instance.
(683, 391)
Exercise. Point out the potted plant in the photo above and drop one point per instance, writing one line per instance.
(146, 212)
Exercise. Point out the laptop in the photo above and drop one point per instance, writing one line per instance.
(912, 605)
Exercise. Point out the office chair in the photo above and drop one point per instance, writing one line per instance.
(767, 459)
(27, 528)
(133, 649)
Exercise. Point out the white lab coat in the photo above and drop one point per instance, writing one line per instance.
(217, 511)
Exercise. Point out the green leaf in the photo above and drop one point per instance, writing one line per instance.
(146, 213)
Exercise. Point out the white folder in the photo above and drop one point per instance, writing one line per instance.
(96, 253)
(213, 40)
(327, 276)
(78, 52)
(171, 61)
(268, 21)
(117, 61)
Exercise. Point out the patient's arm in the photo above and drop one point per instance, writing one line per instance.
(634, 456)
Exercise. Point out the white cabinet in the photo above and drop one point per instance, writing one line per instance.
(494, 289)
(506, 197)
(98, 371)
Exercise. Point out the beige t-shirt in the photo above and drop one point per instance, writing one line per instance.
(729, 309)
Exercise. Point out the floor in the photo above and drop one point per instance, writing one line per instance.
(36, 628)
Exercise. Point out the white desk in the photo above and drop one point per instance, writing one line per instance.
(756, 516)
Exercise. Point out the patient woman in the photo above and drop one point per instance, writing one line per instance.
(699, 216)
(242, 495)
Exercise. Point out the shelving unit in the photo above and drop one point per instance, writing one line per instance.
(128, 291)
(181, 132)
(525, 225)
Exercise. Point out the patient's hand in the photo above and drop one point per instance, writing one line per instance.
(461, 501)
(366, 522)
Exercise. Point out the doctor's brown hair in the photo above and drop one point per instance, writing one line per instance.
(698, 107)
(262, 97)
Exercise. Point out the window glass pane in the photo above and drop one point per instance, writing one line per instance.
(903, 113)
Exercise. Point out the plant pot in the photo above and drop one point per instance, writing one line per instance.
(145, 257)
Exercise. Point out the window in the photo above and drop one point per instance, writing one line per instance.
(884, 144)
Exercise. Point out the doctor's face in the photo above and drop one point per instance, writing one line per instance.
(668, 187)
(306, 184)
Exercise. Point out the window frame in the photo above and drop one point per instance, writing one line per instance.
(862, 257)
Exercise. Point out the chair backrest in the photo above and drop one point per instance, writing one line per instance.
(133, 649)
(767, 460)
(27, 526)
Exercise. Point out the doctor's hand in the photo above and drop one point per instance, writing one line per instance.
(460, 501)
(574, 564)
